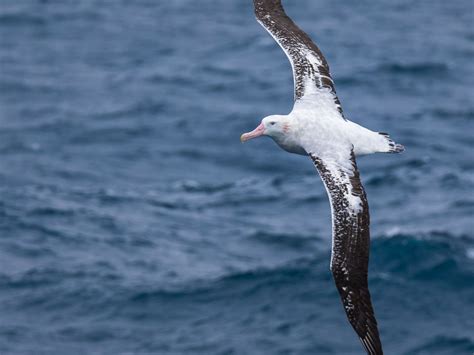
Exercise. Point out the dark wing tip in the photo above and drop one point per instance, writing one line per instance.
(355, 297)
(371, 341)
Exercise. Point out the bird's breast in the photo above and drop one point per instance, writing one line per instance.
(291, 144)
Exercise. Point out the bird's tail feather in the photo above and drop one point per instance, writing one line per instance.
(392, 146)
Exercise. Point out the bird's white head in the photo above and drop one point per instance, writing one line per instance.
(275, 126)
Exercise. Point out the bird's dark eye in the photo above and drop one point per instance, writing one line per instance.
(272, 123)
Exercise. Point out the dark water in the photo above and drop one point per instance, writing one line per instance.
(132, 220)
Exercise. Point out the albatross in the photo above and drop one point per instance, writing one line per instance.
(318, 128)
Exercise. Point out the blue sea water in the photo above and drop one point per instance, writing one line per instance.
(132, 220)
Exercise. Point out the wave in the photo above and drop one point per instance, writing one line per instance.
(437, 258)
(241, 283)
(459, 114)
(425, 68)
(440, 258)
(9, 19)
(298, 242)
(445, 345)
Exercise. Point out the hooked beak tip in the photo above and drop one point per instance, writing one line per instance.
(257, 132)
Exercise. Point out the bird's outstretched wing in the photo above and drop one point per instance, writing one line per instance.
(351, 243)
(310, 69)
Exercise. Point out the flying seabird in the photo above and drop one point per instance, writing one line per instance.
(318, 128)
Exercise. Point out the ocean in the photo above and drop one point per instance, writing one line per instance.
(133, 221)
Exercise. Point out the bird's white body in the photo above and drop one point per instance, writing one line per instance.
(321, 130)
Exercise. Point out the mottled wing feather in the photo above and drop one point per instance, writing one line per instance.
(351, 244)
(310, 68)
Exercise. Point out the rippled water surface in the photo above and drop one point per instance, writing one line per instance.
(133, 220)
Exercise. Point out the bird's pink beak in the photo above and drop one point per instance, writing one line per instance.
(257, 132)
